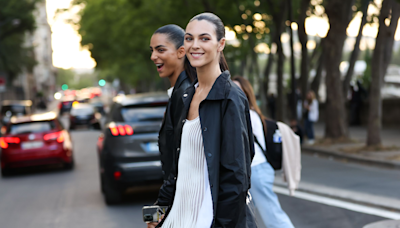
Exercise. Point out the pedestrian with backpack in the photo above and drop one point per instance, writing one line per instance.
(262, 171)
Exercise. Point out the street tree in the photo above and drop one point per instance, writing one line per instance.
(339, 13)
(388, 21)
(16, 19)
(356, 50)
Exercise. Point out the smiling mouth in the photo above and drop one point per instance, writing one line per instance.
(197, 55)
(159, 65)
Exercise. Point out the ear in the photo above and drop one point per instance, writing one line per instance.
(181, 52)
(221, 44)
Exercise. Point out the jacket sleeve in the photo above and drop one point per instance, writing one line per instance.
(237, 151)
(167, 191)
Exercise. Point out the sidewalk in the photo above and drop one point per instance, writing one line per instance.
(386, 159)
(368, 178)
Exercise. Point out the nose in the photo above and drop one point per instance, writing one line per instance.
(195, 44)
(153, 56)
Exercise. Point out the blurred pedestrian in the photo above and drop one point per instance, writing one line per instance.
(262, 173)
(297, 129)
(168, 54)
(311, 115)
(358, 94)
(214, 145)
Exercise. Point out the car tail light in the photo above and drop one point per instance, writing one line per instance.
(117, 175)
(59, 136)
(121, 130)
(4, 141)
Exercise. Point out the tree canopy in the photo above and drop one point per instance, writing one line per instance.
(16, 19)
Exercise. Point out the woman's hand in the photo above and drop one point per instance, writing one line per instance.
(152, 224)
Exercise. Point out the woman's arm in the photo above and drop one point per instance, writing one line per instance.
(237, 151)
(167, 191)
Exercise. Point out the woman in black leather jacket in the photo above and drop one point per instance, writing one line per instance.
(218, 113)
(168, 54)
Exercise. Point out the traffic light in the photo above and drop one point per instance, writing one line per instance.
(64, 87)
(102, 82)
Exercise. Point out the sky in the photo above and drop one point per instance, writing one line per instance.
(67, 52)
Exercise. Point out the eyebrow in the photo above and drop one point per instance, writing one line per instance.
(203, 34)
(158, 46)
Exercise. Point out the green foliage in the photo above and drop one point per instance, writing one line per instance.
(117, 32)
(74, 80)
(16, 18)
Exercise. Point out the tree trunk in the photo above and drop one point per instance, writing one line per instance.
(380, 60)
(356, 50)
(267, 72)
(317, 79)
(279, 20)
(304, 51)
(339, 13)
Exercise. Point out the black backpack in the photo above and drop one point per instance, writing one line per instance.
(273, 142)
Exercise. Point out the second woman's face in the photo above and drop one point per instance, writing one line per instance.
(201, 44)
(164, 55)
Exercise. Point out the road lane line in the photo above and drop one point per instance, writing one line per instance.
(340, 203)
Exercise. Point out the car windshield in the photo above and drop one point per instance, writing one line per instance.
(82, 110)
(13, 110)
(139, 114)
(31, 127)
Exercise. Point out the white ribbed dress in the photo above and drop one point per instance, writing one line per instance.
(192, 207)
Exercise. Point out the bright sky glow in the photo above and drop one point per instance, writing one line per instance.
(67, 52)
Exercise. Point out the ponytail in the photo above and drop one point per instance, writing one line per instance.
(222, 62)
(190, 70)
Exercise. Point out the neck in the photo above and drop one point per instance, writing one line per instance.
(208, 74)
(172, 79)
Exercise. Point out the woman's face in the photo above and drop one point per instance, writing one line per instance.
(164, 54)
(201, 44)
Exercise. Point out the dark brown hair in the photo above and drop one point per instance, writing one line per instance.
(249, 92)
(219, 30)
(176, 36)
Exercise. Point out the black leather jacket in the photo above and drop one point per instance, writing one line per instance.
(228, 147)
(171, 118)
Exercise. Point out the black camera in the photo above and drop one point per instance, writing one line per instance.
(153, 213)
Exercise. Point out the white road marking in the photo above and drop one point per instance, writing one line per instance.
(340, 203)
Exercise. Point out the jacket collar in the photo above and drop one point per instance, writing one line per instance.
(180, 79)
(217, 91)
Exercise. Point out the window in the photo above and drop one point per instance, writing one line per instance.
(31, 127)
(141, 114)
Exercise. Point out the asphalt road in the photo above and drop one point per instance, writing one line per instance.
(50, 197)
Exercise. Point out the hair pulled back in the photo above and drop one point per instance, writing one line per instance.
(175, 35)
(219, 30)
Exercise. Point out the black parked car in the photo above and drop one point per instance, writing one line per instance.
(128, 149)
(84, 114)
(66, 104)
(11, 108)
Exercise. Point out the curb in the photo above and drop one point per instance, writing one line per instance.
(351, 157)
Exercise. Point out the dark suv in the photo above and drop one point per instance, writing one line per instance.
(128, 148)
(14, 108)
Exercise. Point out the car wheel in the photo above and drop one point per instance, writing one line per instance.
(69, 165)
(112, 195)
(5, 172)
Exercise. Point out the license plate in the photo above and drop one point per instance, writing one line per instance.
(152, 147)
(31, 145)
